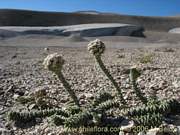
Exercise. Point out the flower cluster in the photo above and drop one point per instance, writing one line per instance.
(96, 47)
(54, 62)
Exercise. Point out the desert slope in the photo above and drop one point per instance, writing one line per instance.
(9, 17)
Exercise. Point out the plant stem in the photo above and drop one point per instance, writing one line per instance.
(68, 88)
(138, 92)
(106, 72)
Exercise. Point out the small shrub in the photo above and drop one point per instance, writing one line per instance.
(146, 58)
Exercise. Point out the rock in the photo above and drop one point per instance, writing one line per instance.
(39, 92)
(120, 56)
(176, 84)
(141, 133)
(19, 92)
(64, 99)
(164, 129)
(1, 125)
(17, 63)
(168, 50)
(82, 101)
(51, 134)
(154, 131)
(165, 49)
(121, 133)
(86, 96)
(82, 96)
(14, 56)
(16, 96)
(174, 119)
(46, 49)
(127, 125)
(178, 130)
(128, 94)
(10, 88)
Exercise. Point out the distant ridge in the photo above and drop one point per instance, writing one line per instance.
(13, 17)
(88, 12)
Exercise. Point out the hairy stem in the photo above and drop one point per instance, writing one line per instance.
(139, 94)
(134, 74)
(68, 88)
(106, 72)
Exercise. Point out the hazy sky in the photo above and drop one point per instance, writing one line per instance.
(133, 7)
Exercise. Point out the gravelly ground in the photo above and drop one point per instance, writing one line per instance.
(21, 72)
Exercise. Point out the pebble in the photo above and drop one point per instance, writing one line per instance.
(154, 131)
(142, 133)
(16, 96)
(127, 125)
(176, 84)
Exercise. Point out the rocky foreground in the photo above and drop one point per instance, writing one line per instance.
(21, 73)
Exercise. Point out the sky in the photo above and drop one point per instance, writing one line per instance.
(129, 7)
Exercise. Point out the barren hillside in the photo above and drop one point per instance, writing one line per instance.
(9, 17)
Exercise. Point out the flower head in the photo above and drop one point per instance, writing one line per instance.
(54, 62)
(96, 47)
